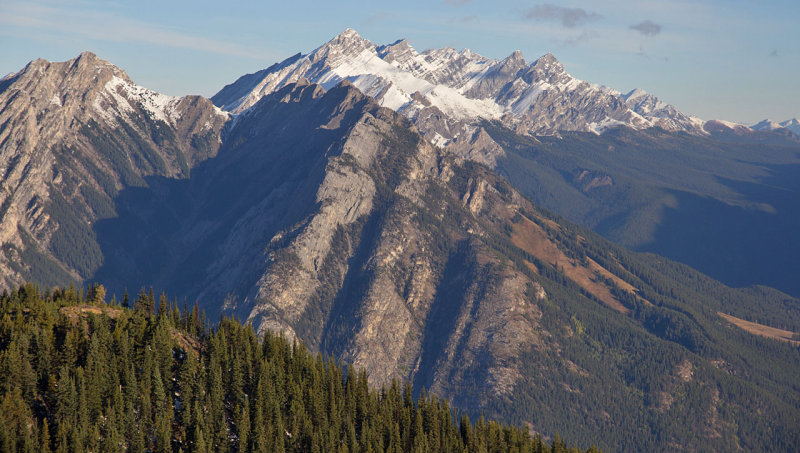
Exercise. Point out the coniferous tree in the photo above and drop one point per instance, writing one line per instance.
(96, 294)
(44, 438)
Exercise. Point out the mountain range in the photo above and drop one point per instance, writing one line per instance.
(769, 125)
(440, 88)
(361, 198)
(446, 92)
(630, 167)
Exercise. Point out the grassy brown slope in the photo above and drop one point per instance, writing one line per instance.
(762, 330)
(532, 238)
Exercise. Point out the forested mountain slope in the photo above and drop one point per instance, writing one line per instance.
(327, 217)
(728, 209)
(80, 375)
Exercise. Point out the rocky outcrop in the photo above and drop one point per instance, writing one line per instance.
(72, 135)
(347, 232)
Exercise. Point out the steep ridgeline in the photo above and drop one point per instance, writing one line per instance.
(330, 218)
(72, 135)
(446, 93)
(629, 166)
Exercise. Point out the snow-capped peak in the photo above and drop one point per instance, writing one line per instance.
(399, 53)
(121, 96)
(346, 44)
(516, 56)
(347, 36)
(769, 125)
(726, 126)
(793, 125)
(766, 125)
(540, 97)
(644, 103)
(549, 63)
(636, 93)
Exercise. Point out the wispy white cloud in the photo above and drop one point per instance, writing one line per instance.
(109, 27)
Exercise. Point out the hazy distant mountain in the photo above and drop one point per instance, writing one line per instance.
(703, 201)
(663, 115)
(766, 125)
(769, 125)
(792, 124)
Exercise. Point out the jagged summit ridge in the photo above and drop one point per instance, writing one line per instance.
(109, 89)
(349, 56)
(112, 132)
(462, 86)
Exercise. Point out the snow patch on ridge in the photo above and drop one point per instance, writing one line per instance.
(602, 126)
(731, 124)
(126, 95)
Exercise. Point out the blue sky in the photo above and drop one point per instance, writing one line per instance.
(735, 60)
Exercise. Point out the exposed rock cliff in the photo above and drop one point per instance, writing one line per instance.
(72, 135)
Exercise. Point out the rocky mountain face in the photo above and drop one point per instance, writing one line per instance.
(330, 218)
(72, 135)
(506, 114)
(322, 214)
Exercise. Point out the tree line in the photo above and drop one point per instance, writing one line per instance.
(78, 374)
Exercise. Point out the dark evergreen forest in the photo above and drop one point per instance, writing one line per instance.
(79, 374)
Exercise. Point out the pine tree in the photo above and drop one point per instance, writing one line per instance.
(44, 437)
(243, 426)
(96, 294)
(198, 437)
